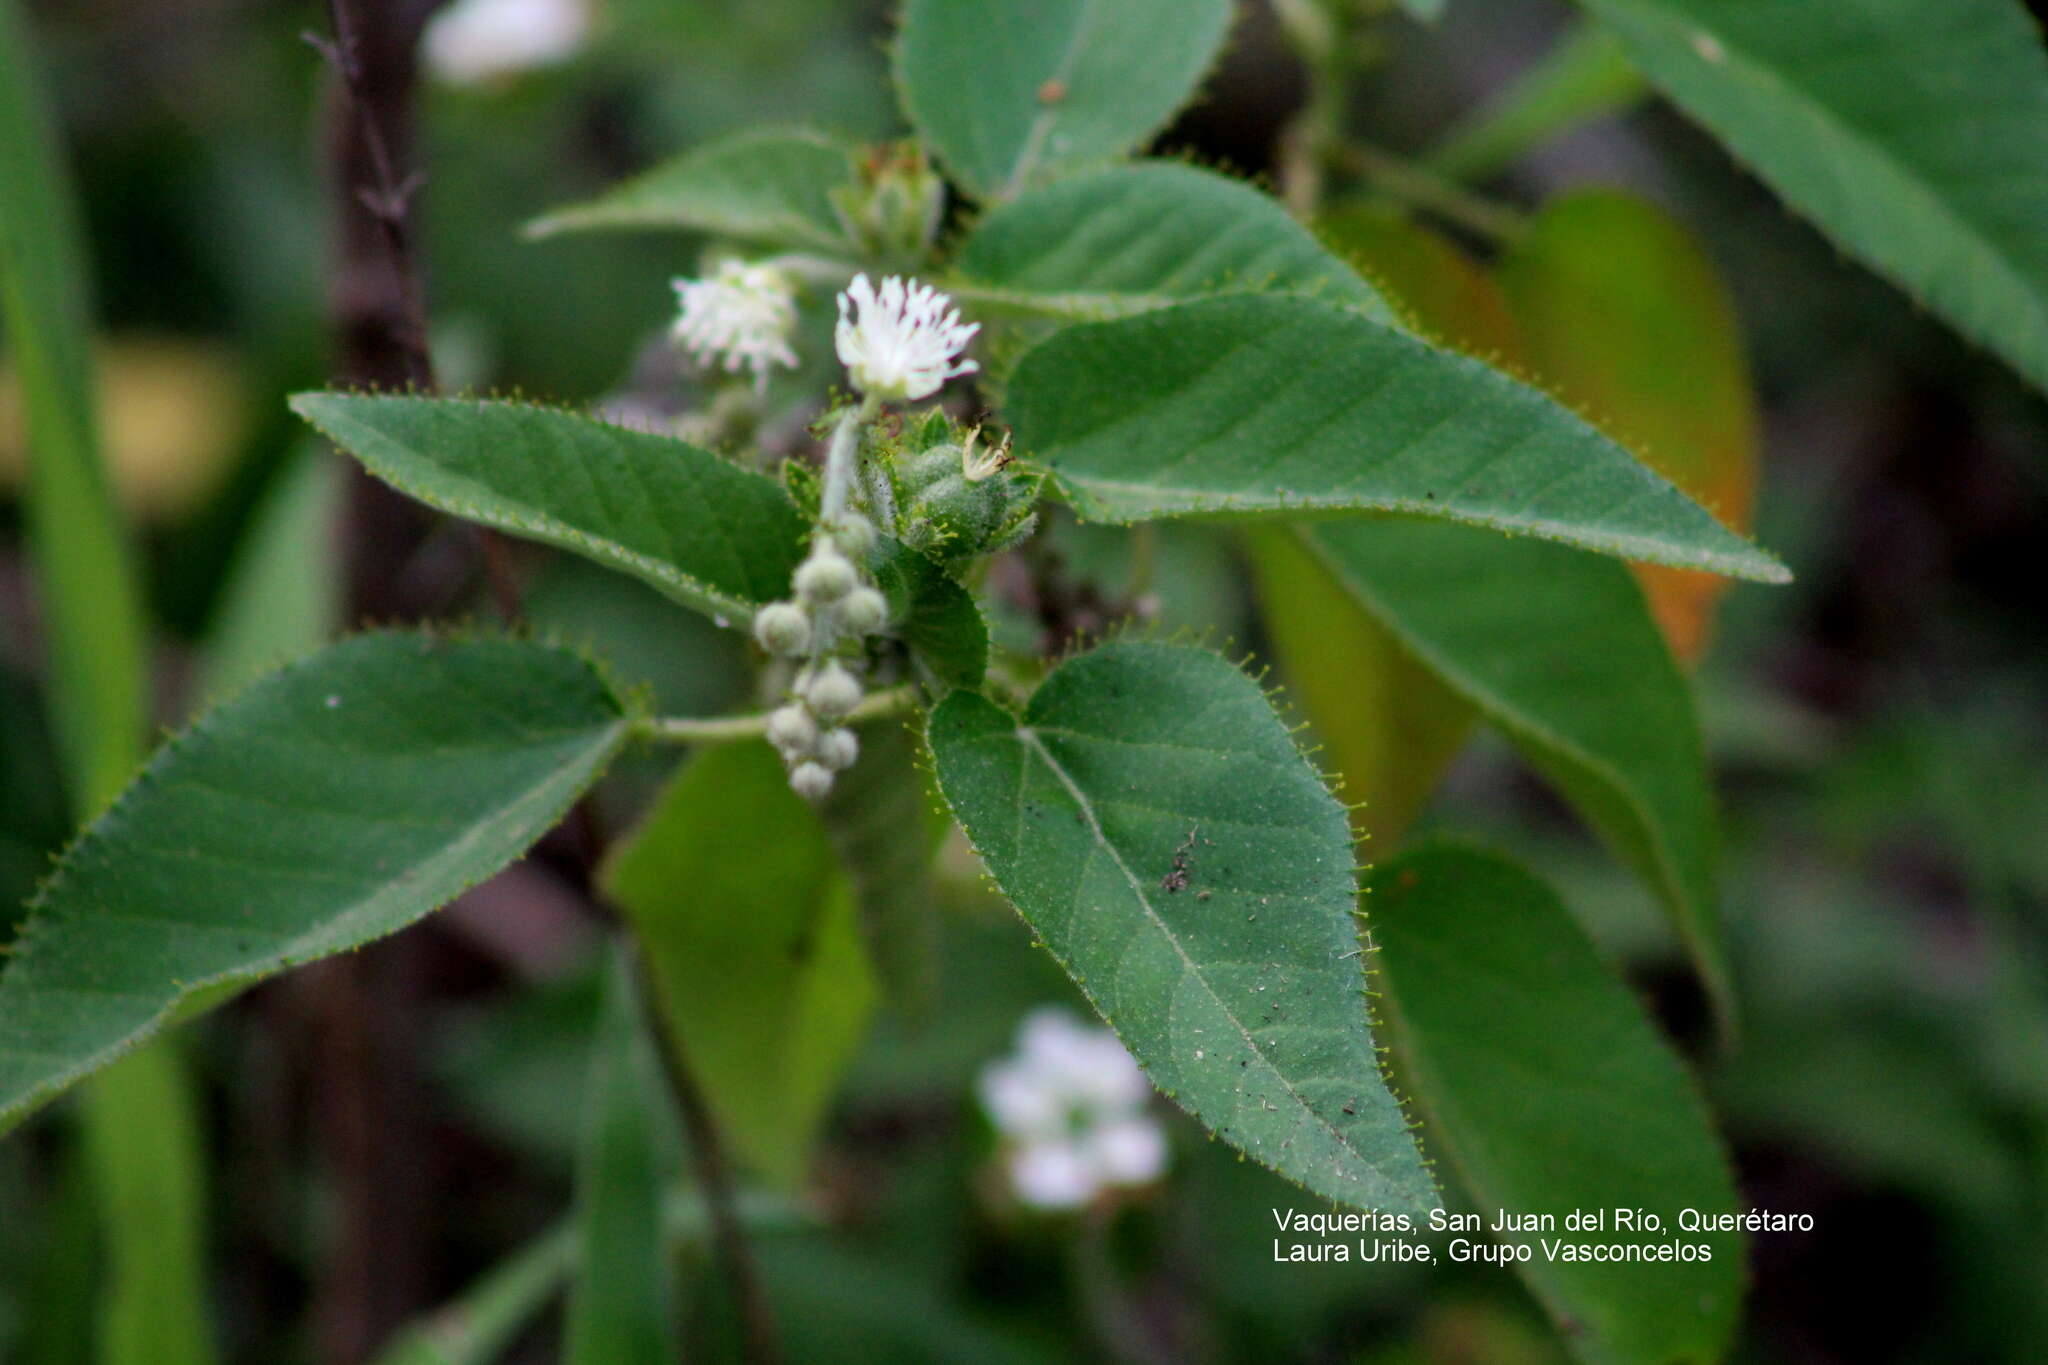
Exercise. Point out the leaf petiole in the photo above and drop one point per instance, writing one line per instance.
(722, 729)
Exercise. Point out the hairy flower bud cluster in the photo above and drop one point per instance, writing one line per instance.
(833, 604)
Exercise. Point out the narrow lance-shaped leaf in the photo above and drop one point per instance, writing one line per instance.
(1572, 669)
(748, 931)
(332, 803)
(1011, 92)
(1268, 405)
(1915, 135)
(1125, 239)
(622, 1308)
(1550, 1093)
(715, 537)
(1625, 318)
(1151, 818)
(770, 185)
(91, 606)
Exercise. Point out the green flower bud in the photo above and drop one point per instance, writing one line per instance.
(825, 577)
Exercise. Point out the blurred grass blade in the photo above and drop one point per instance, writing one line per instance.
(1584, 77)
(147, 1160)
(334, 802)
(1913, 134)
(91, 607)
(1010, 93)
(1549, 1092)
(1151, 818)
(748, 930)
(1624, 317)
(622, 1306)
(476, 1328)
(281, 600)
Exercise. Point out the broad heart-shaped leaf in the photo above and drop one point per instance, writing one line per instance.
(1557, 648)
(1914, 134)
(622, 1308)
(332, 803)
(1150, 817)
(1262, 404)
(713, 536)
(1125, 239)
(1012, 92)
(1550, 1092)
(748, 930)
(1624, 317)
(769, 185)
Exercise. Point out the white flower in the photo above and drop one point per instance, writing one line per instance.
(743, 315)
(473, 41)
(1071, 1107)
(905, 341)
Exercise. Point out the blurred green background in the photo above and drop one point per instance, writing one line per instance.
(1879, 731)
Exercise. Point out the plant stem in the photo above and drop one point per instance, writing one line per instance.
(842, 458)
(760, 1339)
(1401, 179)
(721, 729)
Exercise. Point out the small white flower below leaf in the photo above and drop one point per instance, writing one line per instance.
(476, 41)
(1071, 1107)
(741, 317)
(902, 342)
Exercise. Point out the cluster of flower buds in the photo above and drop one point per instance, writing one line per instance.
(834, 606)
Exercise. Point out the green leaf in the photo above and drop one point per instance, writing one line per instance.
(1549, 1092)
(1428, 11)
(1151, 818)
(1624, 317)
(330, 804)
(1585, 76)
(885, 829)
(715, 537)
(1012, 92)
(91, 605)
(1571, 667)
(1389, 727)
(1261, 404)
(768, 185)
(1126, 239)
(730, 886)
(1915, 135)
(934, 615)
(622, 1308)
(148, 1162)
(282, 597)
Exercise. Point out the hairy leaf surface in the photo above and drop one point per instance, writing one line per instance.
(332, 803)
(1278, 406)
(1150, 817)
(711, 535)
(1915, 135)
(1011, 92)
(1549, 1092)
(1125, 239)
(768, 185)
(1558, 649)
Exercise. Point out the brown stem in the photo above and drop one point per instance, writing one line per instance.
(761, 1342)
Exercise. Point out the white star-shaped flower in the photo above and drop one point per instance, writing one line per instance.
(742, 316)
(900, 343)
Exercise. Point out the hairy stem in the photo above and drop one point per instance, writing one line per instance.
(721, 729)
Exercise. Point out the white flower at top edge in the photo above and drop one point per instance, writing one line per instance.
(1071, 1107)
(474, 41)
(742, 315)
(901, 342)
